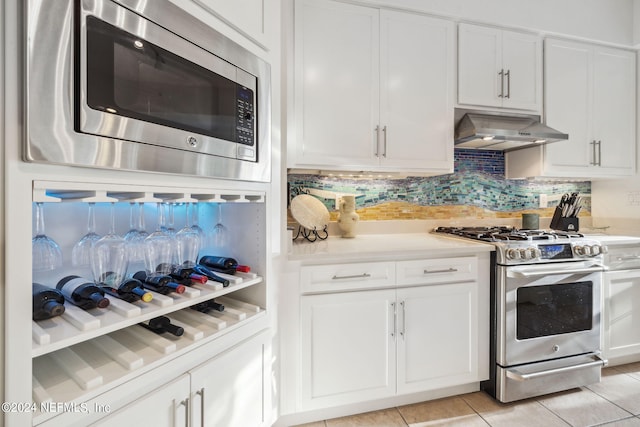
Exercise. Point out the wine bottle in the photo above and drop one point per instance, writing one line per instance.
(159, 283)
(47, 302)
(207, 306)
(219, 263)
(81, 292)
(163, 324)
(184, 275)
(201, 269)
(131, 290)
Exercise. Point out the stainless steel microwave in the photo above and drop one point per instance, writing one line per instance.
(140, 85)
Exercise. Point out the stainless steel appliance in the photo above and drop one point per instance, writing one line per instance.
(139, 85)
(489, 130)
(546, 310)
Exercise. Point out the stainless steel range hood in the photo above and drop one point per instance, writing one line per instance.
(496, 131)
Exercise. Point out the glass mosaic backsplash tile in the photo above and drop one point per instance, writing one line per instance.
(476, 189)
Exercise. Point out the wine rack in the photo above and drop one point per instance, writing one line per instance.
(98, 349)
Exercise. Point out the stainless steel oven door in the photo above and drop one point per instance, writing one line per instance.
(548, 311)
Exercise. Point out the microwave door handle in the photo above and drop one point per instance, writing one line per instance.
(514, 374)
(537, 273)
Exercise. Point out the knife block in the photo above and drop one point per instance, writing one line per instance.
(558, 222)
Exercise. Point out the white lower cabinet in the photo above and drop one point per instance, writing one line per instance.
(227, 391)
(437, 339)
(167, 406)
(620, 314)
(348, 347)
(414, 335)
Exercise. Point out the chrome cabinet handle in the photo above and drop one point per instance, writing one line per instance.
(501, 74)
(508, 74)
(447, 270)
(514, 374)
(393, 314)
(593, 153)
(355, 276)
(377, 152)
(384, 142)
(403, 320)
(201, 394)
(184, 403)
(599, 153)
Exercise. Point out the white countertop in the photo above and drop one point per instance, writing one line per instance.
(614, 240)
(378, 246)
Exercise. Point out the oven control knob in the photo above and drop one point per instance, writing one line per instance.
(595, 250)
(513, 254)
(536, 253)
(524, 254)
(580, 250)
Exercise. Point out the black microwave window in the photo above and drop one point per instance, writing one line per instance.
(133, 78)
(548, 310)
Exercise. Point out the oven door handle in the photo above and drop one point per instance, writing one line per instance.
(515, 274)
(519, 376)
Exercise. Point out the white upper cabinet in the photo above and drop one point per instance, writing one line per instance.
(373, 89)
(499, 68)
(590, 94)
(249, 17)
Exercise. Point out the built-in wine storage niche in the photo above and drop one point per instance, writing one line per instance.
(95, 350)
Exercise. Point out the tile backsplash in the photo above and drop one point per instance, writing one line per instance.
(476, 189)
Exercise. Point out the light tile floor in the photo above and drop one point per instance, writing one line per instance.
(614, 402)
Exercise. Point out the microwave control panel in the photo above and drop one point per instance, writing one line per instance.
(245, 119)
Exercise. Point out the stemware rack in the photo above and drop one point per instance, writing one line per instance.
(101, 348)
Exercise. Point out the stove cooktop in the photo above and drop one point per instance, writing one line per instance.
(515, 246)
(505, 234)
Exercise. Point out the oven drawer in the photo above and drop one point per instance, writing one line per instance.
(347, 277)
(434, 271)
(535, 379)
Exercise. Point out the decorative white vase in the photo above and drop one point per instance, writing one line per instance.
(347, 218)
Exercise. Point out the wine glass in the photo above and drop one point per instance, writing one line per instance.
(46, 254)
(187, 244)
(110, 257)
(159, 248)
(81, 252)
(136, 234)
(194, 222)
(219, 232)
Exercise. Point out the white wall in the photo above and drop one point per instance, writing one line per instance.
(636, 23)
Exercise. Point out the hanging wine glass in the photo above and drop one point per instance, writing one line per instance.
(110, 257)
(46, 255)
(136, 234)
(159, 249)
(194, 222)
(187, 244)
(81, 252)
(219, 232)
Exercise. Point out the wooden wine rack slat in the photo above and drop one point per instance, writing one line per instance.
(76, 325)
(87, 368)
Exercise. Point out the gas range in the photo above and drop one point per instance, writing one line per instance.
(515, 247)
(545, 290)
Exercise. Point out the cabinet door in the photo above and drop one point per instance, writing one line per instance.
(336, 85)
(229, 391)
(621, 314)
(614, 109)
(168, 406)
(479, 62)
(416, 94)
(522, 64)
(437, 336)
(568, 107)
(348, 348)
